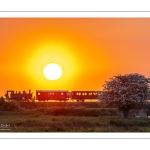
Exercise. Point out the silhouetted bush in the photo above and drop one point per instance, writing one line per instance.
(2, 101)
(8, 106)
(11, 106)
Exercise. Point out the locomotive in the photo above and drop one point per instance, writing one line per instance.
(12, 95)
(57, 95)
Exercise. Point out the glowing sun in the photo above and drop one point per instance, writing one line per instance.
(52, 71)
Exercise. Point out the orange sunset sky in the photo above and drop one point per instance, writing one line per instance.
(89, 50)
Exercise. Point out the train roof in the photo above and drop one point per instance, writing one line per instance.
(86, 91)
(51, 90)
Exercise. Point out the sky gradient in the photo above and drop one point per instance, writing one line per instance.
(89, 50)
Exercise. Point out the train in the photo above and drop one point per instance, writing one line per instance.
(56, 95)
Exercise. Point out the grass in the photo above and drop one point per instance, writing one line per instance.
(72, 117)
(39, 122)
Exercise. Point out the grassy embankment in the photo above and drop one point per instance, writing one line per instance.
(69, 117)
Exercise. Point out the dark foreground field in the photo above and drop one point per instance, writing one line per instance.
(68, 117)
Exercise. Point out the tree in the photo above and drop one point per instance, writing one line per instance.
(127, 91)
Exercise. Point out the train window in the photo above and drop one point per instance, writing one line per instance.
(85, 93)
(62, 93)
(94, 93)
(79, 93)
(51, 93)
(90, 93)
(39, 93)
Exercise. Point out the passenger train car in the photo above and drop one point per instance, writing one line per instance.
(52, 95)
(84, 95)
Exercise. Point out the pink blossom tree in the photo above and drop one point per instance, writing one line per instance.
(127, 91)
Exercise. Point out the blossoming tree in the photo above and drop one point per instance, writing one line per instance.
(126, 91)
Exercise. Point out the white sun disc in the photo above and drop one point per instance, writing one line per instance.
(52, 71)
